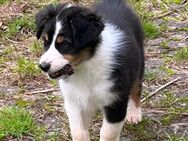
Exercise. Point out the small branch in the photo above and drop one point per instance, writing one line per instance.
(157, 90)
(14, 42)
(165, 112)
(41, 91)
(170, 12)
(180, 124)
(163, 15)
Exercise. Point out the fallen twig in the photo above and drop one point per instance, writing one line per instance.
(180, 124)
(157, 90)
(164, 14)
(171, 11)
(165, 112)
(12, 41)
(42, 91)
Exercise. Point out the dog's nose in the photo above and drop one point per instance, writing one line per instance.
(44, 66)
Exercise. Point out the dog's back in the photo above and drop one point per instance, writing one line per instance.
(120, 14)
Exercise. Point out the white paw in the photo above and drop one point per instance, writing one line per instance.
(134, 116)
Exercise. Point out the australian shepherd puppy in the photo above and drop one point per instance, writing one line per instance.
(97, 56)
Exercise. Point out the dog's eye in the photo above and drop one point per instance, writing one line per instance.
(60, 39)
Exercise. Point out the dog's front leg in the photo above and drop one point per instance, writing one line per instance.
(79, 121)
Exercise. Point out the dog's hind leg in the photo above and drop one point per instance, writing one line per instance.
(110, 131)
(134, 113)
(113, 120)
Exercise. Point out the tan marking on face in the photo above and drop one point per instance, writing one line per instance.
(77, 59)
(46, 37)
(135, 93)
(60, 39)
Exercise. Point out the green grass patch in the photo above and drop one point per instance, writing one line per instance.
(183, 29)
(172, 115)
(181, 54)
(169, 72)
(151, 30)
(164, 45)
(5, 55)
(16, 122)
(168, 99)
(36, 48)
(141, 131)
(172, 1)
(176, 138)
(2, 2)
(22, 103)
(18, 24)
(26, 67)
(151, 74)
(53, 82)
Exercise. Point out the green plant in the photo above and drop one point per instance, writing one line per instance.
(167, 70)
(4, 2)
(36, 48)
(26, 67)
(151, 74)
(182, 54)
(19, 23)
(16, 122)
(164, 45)
(168, 100)
(150, 29)
(141, 131)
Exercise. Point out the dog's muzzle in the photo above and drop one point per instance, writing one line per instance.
(66, 71)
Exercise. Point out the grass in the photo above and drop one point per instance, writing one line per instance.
(151, 74)
(151, 30)
(6, 54)
(36, 48)
(181, 54)
(169, 72)
(2, 2)
(142, 131)
(172, 1)
(26, 67)
(164, 45)
(22, 103)
(168, 99)
(16, 122)
(18, 24)
(175, 138)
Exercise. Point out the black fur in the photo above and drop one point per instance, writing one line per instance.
(81, 28)
(131, 58)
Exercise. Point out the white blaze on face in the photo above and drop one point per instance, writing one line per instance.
(53, 56)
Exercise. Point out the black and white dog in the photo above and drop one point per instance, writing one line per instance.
(97, 56)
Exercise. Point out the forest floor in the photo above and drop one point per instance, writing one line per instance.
(31, 107)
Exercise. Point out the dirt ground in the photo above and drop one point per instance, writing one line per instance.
(165, 113)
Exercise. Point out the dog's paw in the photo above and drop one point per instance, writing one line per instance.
(134, 116)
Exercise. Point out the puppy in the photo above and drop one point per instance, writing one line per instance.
(97, 56)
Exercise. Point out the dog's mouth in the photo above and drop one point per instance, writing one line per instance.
(66, 71)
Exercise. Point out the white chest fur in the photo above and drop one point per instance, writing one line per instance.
(90, 86)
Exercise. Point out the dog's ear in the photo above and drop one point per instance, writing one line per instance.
(42, 17)
(86, 27)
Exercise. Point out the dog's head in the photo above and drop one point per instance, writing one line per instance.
(70, 34)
